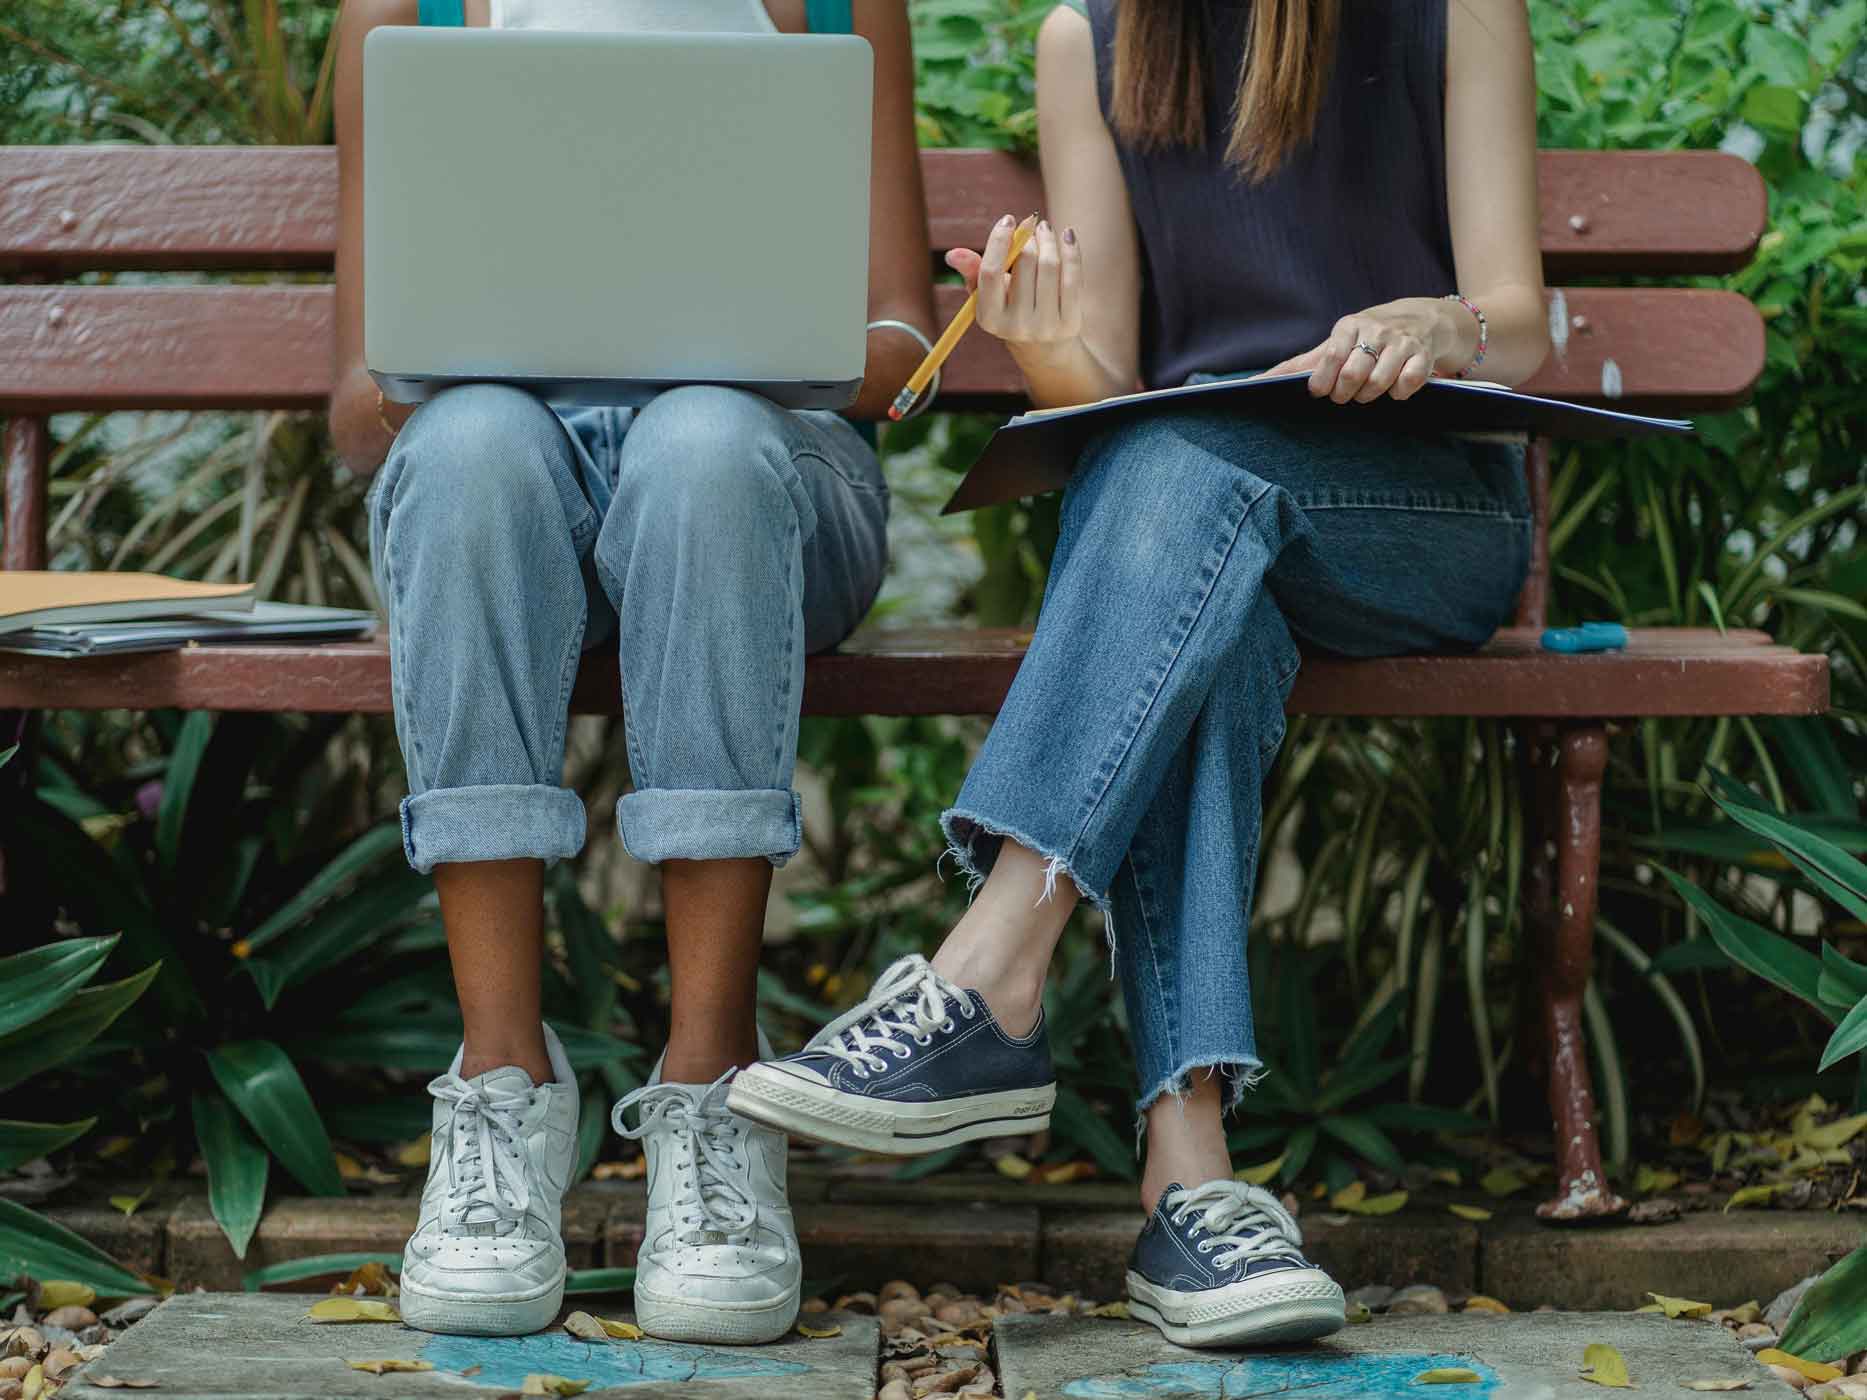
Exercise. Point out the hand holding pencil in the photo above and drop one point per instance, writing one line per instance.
(1003, 304)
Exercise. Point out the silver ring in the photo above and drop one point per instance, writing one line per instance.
(1363, 345)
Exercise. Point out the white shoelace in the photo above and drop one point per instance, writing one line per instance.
(709, 1144)
(909, 1000)
(1231, 1206)
(485, 1163)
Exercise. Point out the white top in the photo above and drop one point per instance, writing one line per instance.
(626, 16)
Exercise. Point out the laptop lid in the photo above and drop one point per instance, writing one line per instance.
(601, 216)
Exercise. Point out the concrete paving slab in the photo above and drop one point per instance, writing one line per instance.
(261, 1346)
(1526, 1356)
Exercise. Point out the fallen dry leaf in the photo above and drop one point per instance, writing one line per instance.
(543, 1383)
(1448, 1375)
(1716, 1385)
(621, 1171)
(1469, 1212)
(415, 1153)
(1374, 1205)
(1117, 1310)
(818, 1333)
(350, 1169)
(1063, 1173)
(1261, 1173)
(1836, 1134)
(1445, 1176)
(1649, 1181)
(388, 1364)
(119, 1383)
(129, 1205)
(1483, 1302)
(1680, 1307)
(1012, 1166)
(472, 1371)
(1814, 1370)
(368, 1280)
(622, 1331)
(33, 1384)
(1603, 1365)
(581, 1324)
(353, 1310)
(59, 1293)
(1755, 1195)
(1501, 1182)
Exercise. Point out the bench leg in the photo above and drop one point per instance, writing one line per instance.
(1566, 954)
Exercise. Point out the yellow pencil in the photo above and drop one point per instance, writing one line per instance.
(962, 322)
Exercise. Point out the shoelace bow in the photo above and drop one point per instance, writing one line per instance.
(910, 999)
(1242, 1221)
(480, 1120)
(713, 1139)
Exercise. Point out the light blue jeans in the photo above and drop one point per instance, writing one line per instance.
(1196, 551)
(717, 538)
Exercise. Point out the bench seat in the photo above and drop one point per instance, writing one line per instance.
(950, 670)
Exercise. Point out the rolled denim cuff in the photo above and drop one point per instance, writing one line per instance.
(660, 824)
(502, 821)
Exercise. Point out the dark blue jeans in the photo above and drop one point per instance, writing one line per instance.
(1197, 551)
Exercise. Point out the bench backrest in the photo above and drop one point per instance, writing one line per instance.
(71, 210)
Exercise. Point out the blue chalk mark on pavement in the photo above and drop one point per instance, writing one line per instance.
(1310, 1375)
(506, 1361)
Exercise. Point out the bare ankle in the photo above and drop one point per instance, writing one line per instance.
(537, 1063)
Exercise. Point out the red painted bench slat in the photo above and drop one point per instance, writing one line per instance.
(70, 209)
(948, 671)
(270, 346)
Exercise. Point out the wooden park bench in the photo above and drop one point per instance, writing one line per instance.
(64, 346)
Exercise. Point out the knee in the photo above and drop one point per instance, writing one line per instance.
(711, 463)
(479, 455)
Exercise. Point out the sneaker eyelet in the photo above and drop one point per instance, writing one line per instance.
(862, 1074)
(1204, 1246)
(947, 1025)
(901, 1052)
(923, 1040)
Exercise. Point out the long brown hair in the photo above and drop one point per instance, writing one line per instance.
(1159, 82)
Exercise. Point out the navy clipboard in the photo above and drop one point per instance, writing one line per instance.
(1036, 452)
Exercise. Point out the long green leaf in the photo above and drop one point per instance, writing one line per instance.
(31, 1244)
(40, 980)
(1830, 1322)
(1849, 1038)
(1361, 1136)
(1844, 970)
(1770, 956)
(1347, 1084)
(581, 1282)
(587, 948)
(1836, 873)
(1476, 946)
(1297, 1152)
(315, 1266)
(1734, 598)
(22, 1142)
(1423, 1118)
(260, 1079)
(346, 926)
(1605, 1050)
(1072, 1118)
(360, 855)
(1816, 761)
(236, 1169)
(58, 1037)
(178, 784)
(1669, 998)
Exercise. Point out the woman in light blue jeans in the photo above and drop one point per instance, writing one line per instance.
(716, 540)
(1346, 191)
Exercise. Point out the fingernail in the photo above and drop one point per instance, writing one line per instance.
(1069, 235)
(1005, 222)
(1043, 226)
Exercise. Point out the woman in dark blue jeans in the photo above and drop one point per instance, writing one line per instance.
(1296, 184)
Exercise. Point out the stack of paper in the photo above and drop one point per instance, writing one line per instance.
(69, 613)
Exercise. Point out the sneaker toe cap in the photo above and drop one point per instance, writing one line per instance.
(482, 1266)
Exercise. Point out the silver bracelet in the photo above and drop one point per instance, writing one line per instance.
(932, 391)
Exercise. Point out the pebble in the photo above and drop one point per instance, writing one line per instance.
(1777, 1314)
(895, 1390)
(71, 1317)
(1757, 1341)
(1373, 1296)
(898, 1288)
(944, 1290)
(901, 1310)
(1417, 1298)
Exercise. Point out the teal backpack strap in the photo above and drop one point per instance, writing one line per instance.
(828, 16)
(444, 12)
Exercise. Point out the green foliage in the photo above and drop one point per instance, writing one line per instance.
(31, 1244)
(1830, 1323)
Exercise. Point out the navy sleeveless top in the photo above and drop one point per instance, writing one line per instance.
(1239, 276)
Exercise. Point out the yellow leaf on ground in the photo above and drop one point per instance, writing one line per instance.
(370, 1279)
(1465, 1212)
(1012, 1166)
(543, 1383)
(33, 1385)
(621, 1331)
(353, 1310)
(59, 1293)
(1814, 1370)
(1262, 1173)
(1753, 1196)
(1648, 1180)
(1680, 1307)
(582, 1325)
(1501, 1182)
(1117, 1310)
(1603, 1365)
(1649, 1308)
(1445, 1176)
(1349, 1196)
(818, 1333)
(1836, 1134)
(416, 1152)
(1448, 1375)
(1481, 1302)
(393, 1363)
(129, 1205)
(118, 1383)
(1377, 1205)
(1716, 1385)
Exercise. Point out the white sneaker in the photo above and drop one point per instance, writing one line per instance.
(719, 1260)
(487, 1258)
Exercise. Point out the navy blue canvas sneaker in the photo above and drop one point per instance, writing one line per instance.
(1222, 1265)
(921, 1065)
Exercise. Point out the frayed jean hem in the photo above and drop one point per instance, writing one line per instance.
(660, 824)
(967, 836)
(492, 821)
(1241, 1072)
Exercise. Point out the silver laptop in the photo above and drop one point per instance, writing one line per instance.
(599, 217)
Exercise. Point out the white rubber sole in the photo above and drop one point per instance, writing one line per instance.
(1291, 1305)
(477, 1315)
(819, 1113)
(730, 1324)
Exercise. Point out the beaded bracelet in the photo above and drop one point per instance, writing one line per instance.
(1484, 331)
